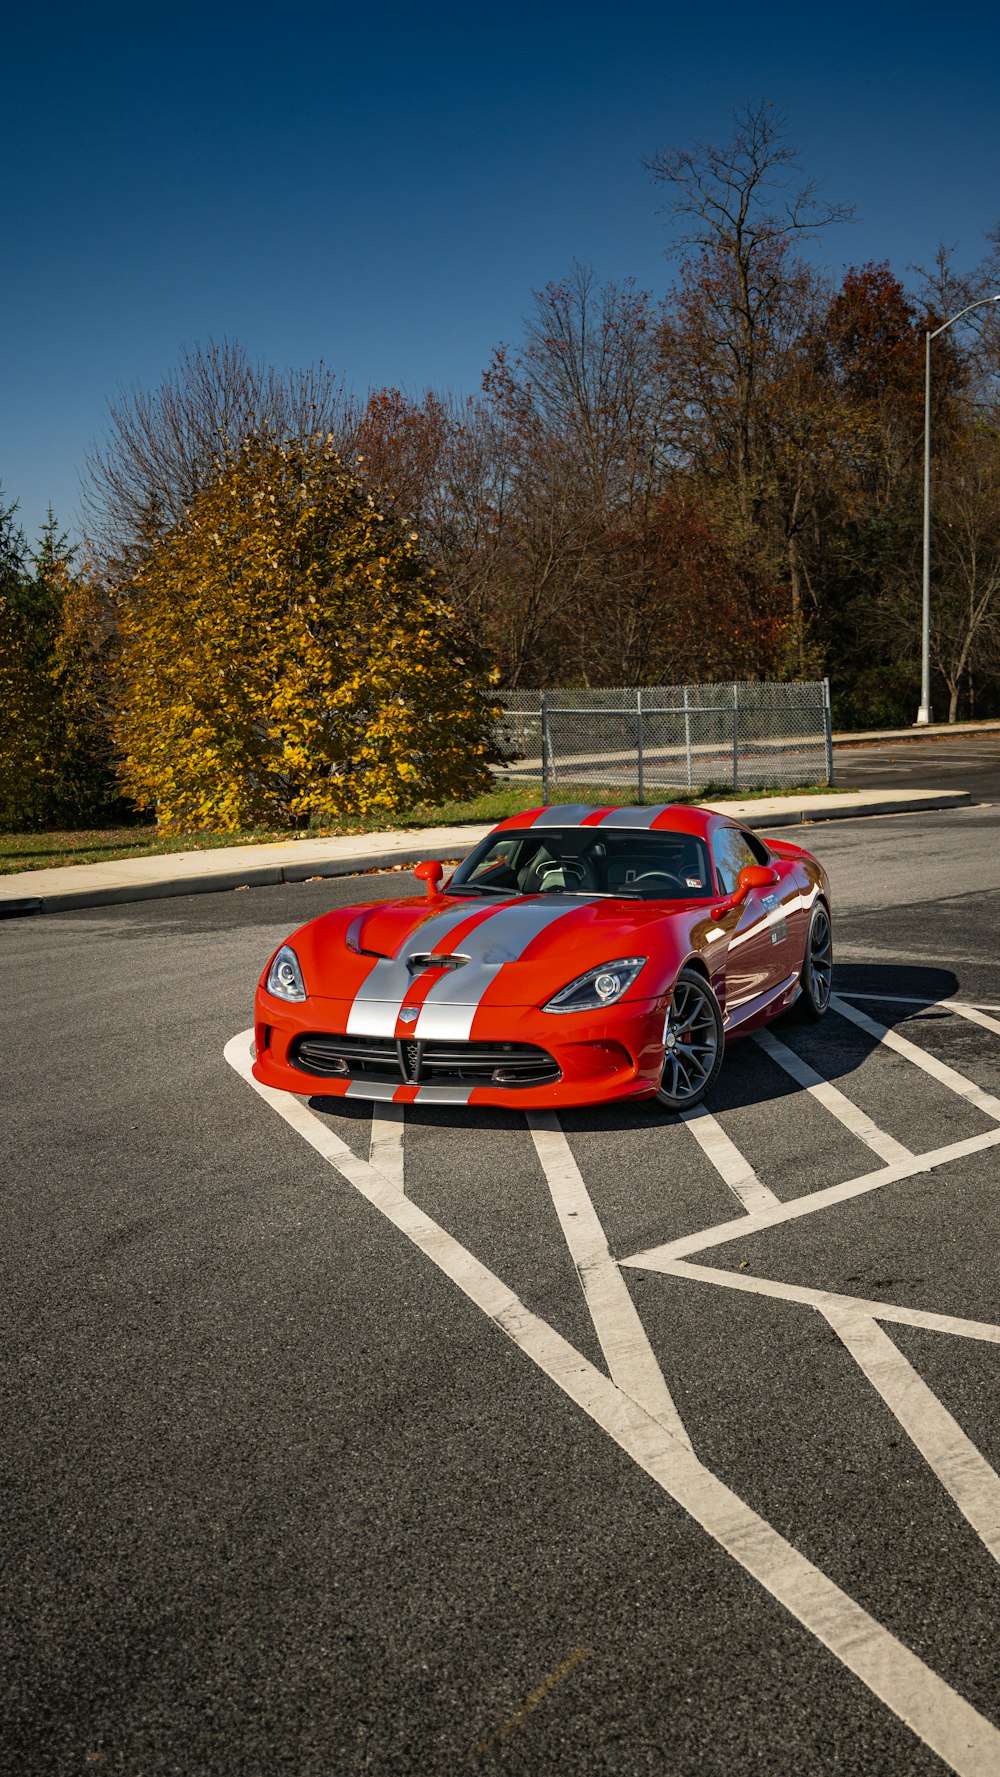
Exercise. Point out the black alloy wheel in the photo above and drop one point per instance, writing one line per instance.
(692, 1042)
(817, 967)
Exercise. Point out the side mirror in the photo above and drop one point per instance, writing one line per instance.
(755, 876)
(752, 876)
(430, 872)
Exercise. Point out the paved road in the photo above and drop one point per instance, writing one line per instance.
(281, 1497)
(971, 764)
(965, 762)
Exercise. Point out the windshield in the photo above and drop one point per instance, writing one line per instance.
(645, 866)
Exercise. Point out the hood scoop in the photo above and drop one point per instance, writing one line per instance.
(420, 961)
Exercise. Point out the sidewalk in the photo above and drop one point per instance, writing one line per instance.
(59, 888)
(927, 731)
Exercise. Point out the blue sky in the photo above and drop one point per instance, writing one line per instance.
(383, 187)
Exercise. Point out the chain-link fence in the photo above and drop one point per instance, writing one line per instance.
(662, 738)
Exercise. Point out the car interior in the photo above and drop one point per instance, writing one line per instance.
(640, 865)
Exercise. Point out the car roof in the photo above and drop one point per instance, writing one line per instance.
(649, 818)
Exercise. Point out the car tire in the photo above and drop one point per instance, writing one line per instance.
(816, 979)
(692, 1059)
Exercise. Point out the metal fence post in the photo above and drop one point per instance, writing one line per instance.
(687, 738)
(545, 749)
(828, 730)
(638, 741)
(736, 737)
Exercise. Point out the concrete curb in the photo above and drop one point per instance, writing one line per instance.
(891, 737)
(54, 890)
(808, 817)
(256, 876)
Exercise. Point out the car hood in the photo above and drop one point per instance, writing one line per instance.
(519, 951)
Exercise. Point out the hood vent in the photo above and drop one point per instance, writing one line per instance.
(420, 961)
(352, 938)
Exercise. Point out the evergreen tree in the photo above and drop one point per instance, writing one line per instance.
(55, 759)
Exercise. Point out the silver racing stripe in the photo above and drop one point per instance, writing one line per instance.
(633, 817)
(383, 991)
(384, 1093)
(565, 814)
(452, 1002)
(450, 1007)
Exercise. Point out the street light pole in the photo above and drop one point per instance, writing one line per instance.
(924, 712)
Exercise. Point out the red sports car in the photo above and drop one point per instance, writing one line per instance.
(578, 955)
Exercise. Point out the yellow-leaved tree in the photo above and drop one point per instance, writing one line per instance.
(285, 656)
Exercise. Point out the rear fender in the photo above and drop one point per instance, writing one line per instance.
(783, 848)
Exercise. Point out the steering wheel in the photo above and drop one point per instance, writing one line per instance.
(666, 876)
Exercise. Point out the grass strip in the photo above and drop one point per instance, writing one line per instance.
(38, 851)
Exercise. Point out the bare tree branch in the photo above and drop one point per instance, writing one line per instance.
(744, 195)
(162, 445)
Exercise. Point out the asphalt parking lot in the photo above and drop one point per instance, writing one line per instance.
(618, 1444)
(964, 762)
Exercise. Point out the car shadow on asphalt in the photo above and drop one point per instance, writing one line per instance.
(833, 1048)
(486, 1119)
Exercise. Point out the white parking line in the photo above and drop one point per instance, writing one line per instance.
(655, 1257)
(938, 1070)
(833, 1301)
(946, 1723)
(896, 999)
(975, 1014)
(386, 1148)
(729, 1163)
(959, 1466)
(616, 1321)
(832, 1100)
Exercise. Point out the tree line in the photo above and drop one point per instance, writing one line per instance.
(723, 481)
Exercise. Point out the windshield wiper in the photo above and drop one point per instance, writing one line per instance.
(598, 894)
(482, 888)
(493, 888)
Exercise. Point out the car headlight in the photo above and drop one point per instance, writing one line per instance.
(284, 977)
(598, 987)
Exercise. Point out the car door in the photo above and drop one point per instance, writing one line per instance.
(758, 928)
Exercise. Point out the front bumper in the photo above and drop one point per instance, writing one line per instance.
(616, 1053)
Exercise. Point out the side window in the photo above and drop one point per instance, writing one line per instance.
(497, 856)
(733, 852)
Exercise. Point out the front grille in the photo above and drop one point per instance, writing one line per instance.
(474, 1064)
(346, 1058)
(407, 1062)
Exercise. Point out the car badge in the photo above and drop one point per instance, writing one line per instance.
(409, 1013)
